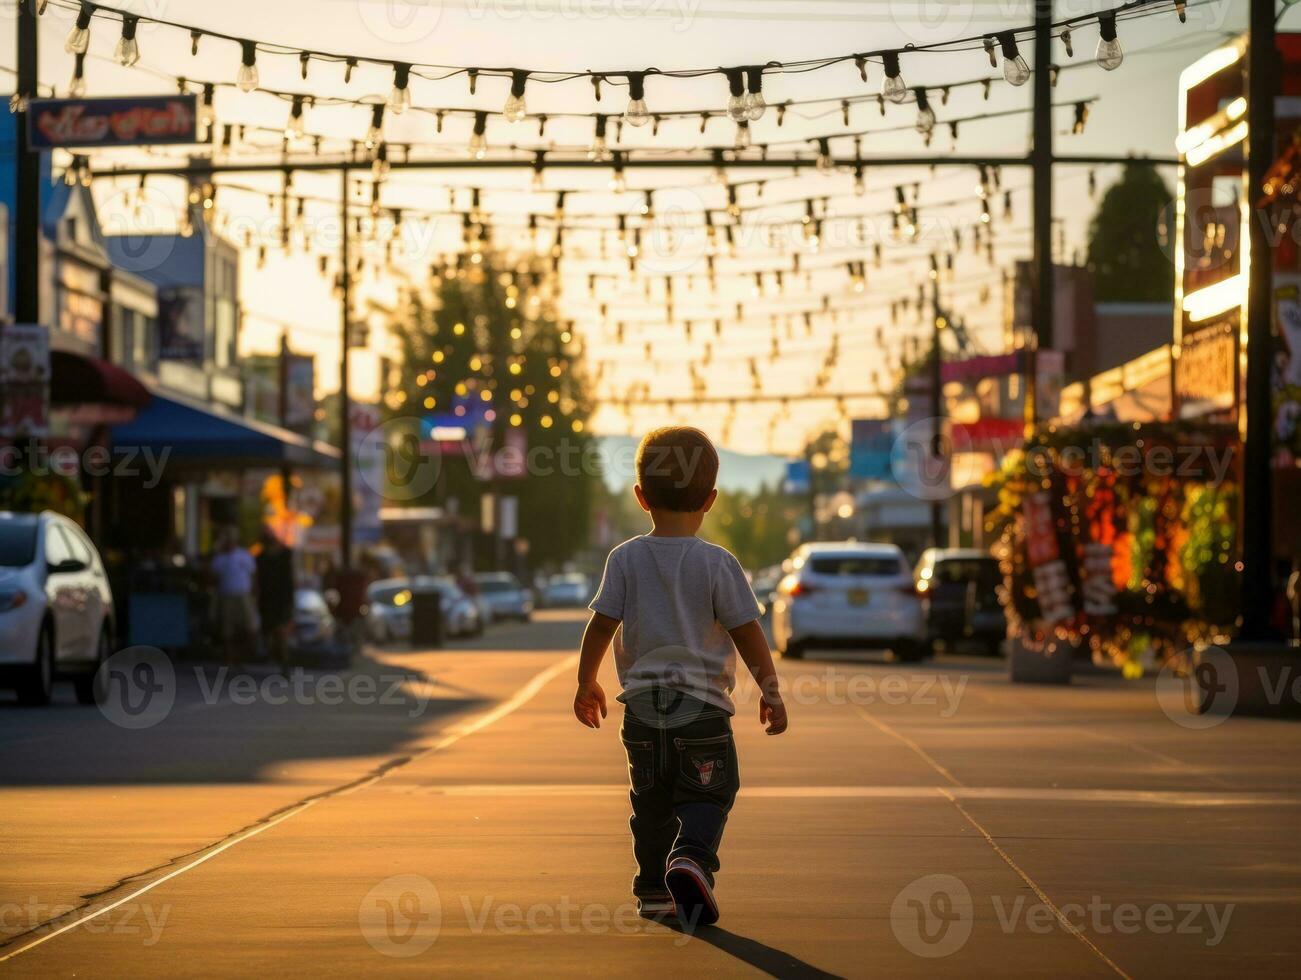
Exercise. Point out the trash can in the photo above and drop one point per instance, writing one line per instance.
(427, 619)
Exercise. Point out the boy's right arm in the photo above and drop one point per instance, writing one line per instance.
(752, 646)
(589, 701)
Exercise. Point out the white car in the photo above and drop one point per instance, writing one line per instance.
(56, 608)
(848, 594)
(505, 598)
(569, 589)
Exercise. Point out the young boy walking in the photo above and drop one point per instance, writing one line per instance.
(679, 610)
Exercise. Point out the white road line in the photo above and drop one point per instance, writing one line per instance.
(516, 701)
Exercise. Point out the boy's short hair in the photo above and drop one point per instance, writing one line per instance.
(676, 468)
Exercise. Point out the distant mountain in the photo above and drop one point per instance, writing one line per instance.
(737, 471)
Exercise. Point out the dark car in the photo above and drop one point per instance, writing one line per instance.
(959, 591)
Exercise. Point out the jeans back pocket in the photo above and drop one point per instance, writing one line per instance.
(705, 763)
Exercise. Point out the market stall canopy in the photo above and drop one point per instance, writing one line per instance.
(198, 433)
(77, 379)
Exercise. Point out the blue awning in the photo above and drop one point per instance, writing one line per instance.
(197, 433)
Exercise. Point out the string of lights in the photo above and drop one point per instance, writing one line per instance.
(745, 101)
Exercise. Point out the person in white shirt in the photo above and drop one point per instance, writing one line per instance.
(234, 569)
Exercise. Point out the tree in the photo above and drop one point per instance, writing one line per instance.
(1127, 236)
(484, 349)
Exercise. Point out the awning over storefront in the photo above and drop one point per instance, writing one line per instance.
(195, 433)
(76, 379)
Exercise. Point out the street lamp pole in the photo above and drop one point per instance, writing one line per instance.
(27, 217)
(937, 402)
(345, 404)
(1257, 500)
(1041, 163)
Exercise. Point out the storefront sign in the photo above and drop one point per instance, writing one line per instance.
(300, 393)
(1052, 582)
(135, 121)
(24, 380)
(1206, 369)
(869, 449)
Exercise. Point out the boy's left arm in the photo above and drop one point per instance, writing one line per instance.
(589, 701)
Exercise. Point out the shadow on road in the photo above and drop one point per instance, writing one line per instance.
(764, 958)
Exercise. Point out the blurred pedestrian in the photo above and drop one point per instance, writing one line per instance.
(275, 596)
(234, 570)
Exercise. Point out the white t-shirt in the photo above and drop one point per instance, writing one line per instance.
(234, 570)
(676, 598)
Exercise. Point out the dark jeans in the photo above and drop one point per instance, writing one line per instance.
(684, 781)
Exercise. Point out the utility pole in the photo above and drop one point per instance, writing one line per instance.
(1257, 492)
(345, 404)
(938, 323)
(1041, 163)
(27, 217)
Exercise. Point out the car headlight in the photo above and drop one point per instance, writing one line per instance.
(12, 599)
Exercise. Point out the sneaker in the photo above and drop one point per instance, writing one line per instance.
(655, 905)
(693, 895)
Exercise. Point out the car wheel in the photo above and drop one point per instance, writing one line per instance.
(37, 684)
(90, 685)
(793, 650)
(994, 647)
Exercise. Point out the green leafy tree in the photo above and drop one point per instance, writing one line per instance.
(486, 338)
(1128, 250)
(756, 527)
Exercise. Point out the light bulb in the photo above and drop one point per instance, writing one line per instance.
(399, 99)
(1109, 54)
(478, 146)
(379, 169)
(637, 114)
(127, 52)
(737, 110)
(925, 119)
(599, 150)
(78, 40)
(755, 106)
(247, 77)
(893, 87)
(514, 110)
(296, 128)
(1015, 69)
(742, 136)
(77, 85)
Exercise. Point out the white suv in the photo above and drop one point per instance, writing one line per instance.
(848, 594)
(56, 609)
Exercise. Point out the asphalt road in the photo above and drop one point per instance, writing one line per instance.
(442, 811)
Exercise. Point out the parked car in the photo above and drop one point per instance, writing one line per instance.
(56, 608)
(504, 595)
(389, 607)
(388, 610)
(569, 589)
(314, 624)
(764, 582)
(959, 593)
(848, 594)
